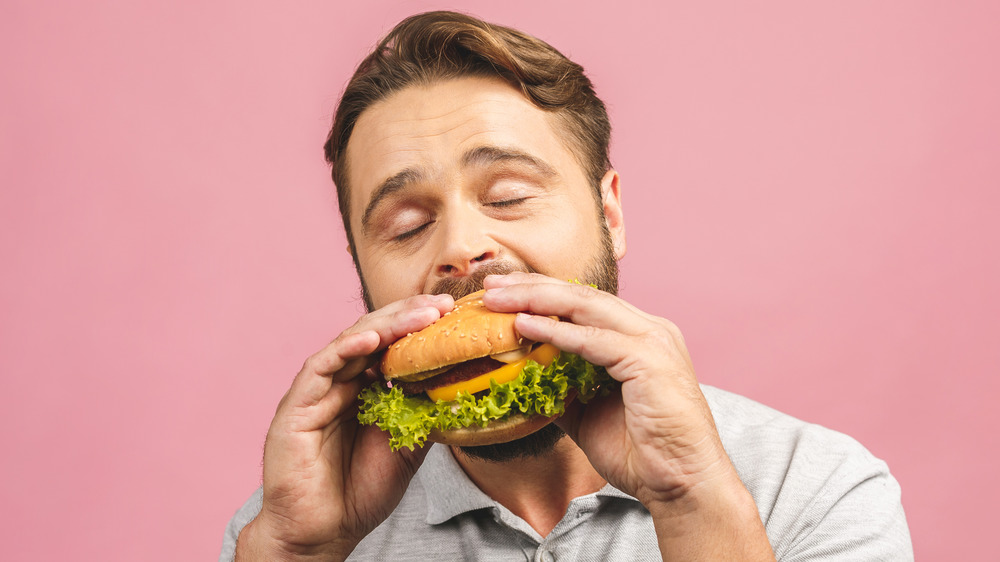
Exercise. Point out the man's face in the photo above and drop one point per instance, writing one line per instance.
(464, 176)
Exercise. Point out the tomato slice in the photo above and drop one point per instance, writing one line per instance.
(543, 354)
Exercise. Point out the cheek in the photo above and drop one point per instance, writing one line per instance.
(560, 246)
(391, 279)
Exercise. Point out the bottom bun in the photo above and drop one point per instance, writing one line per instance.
(510, 428)
(514, 426)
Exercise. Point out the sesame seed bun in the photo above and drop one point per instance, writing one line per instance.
(469, 331)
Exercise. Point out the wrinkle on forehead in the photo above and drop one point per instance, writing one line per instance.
(421, 115)
(438, 126)
(425, 108)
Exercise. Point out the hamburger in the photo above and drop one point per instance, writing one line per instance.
(471, 379)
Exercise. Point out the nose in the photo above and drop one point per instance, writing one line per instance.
(466, 246)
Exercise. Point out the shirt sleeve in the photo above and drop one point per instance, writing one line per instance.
(243, 516)
(821, 495)
(845, 506)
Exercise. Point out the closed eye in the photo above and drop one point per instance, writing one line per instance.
(411, 233)
(507, 202)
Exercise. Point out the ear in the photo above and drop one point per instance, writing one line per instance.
(611, 201)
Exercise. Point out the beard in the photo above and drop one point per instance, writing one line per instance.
(602, 272)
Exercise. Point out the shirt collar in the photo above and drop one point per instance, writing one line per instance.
(450, 492)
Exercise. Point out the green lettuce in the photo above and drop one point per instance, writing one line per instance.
(537, 390)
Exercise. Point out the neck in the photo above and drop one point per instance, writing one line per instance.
(557, 477)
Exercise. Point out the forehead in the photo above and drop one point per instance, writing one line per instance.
(430, 127)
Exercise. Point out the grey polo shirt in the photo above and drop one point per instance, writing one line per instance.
(820, 494)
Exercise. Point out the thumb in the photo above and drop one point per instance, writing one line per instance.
(570, 421)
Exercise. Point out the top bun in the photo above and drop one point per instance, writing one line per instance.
(469, 331)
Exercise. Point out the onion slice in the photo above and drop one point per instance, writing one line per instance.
(513, 355)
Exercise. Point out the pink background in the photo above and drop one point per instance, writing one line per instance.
(811, 191)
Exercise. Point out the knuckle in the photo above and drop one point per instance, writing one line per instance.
(584, 291)
(671, 330)
(401, 315)
(320, 362)
(583, 297)
(589, 338)
(675, 332)
(311, 364)
(416, 300)
(662, 339)
(591, 332)
(281, 403)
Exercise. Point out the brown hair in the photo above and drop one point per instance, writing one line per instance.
(441, 45)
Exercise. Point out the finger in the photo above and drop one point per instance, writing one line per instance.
(350, 353)
(395, 320)
(570, 421)
(345, 357)
(402, 322)
(443, 301)
(387, 328)
(579, 415)
(579, 303)
(596, 425)
(517, 277)
(377, 457)
(332, 411)
(599, 346)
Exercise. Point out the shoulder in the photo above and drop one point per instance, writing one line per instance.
(812, 485)
(765, 444)
(751, 430)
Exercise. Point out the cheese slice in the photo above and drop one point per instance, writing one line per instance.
(543, 355)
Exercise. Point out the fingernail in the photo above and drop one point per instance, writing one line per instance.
(493, 291)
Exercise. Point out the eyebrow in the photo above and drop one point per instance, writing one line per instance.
(481, 156)
(487, 155)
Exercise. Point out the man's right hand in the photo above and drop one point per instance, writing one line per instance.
(329, 481)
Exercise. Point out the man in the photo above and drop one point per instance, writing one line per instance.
(468, 155)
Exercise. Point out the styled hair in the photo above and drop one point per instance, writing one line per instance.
(441, 45)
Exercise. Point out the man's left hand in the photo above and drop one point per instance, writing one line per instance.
(655, 438)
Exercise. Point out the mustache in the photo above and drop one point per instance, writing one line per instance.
(458, 287)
